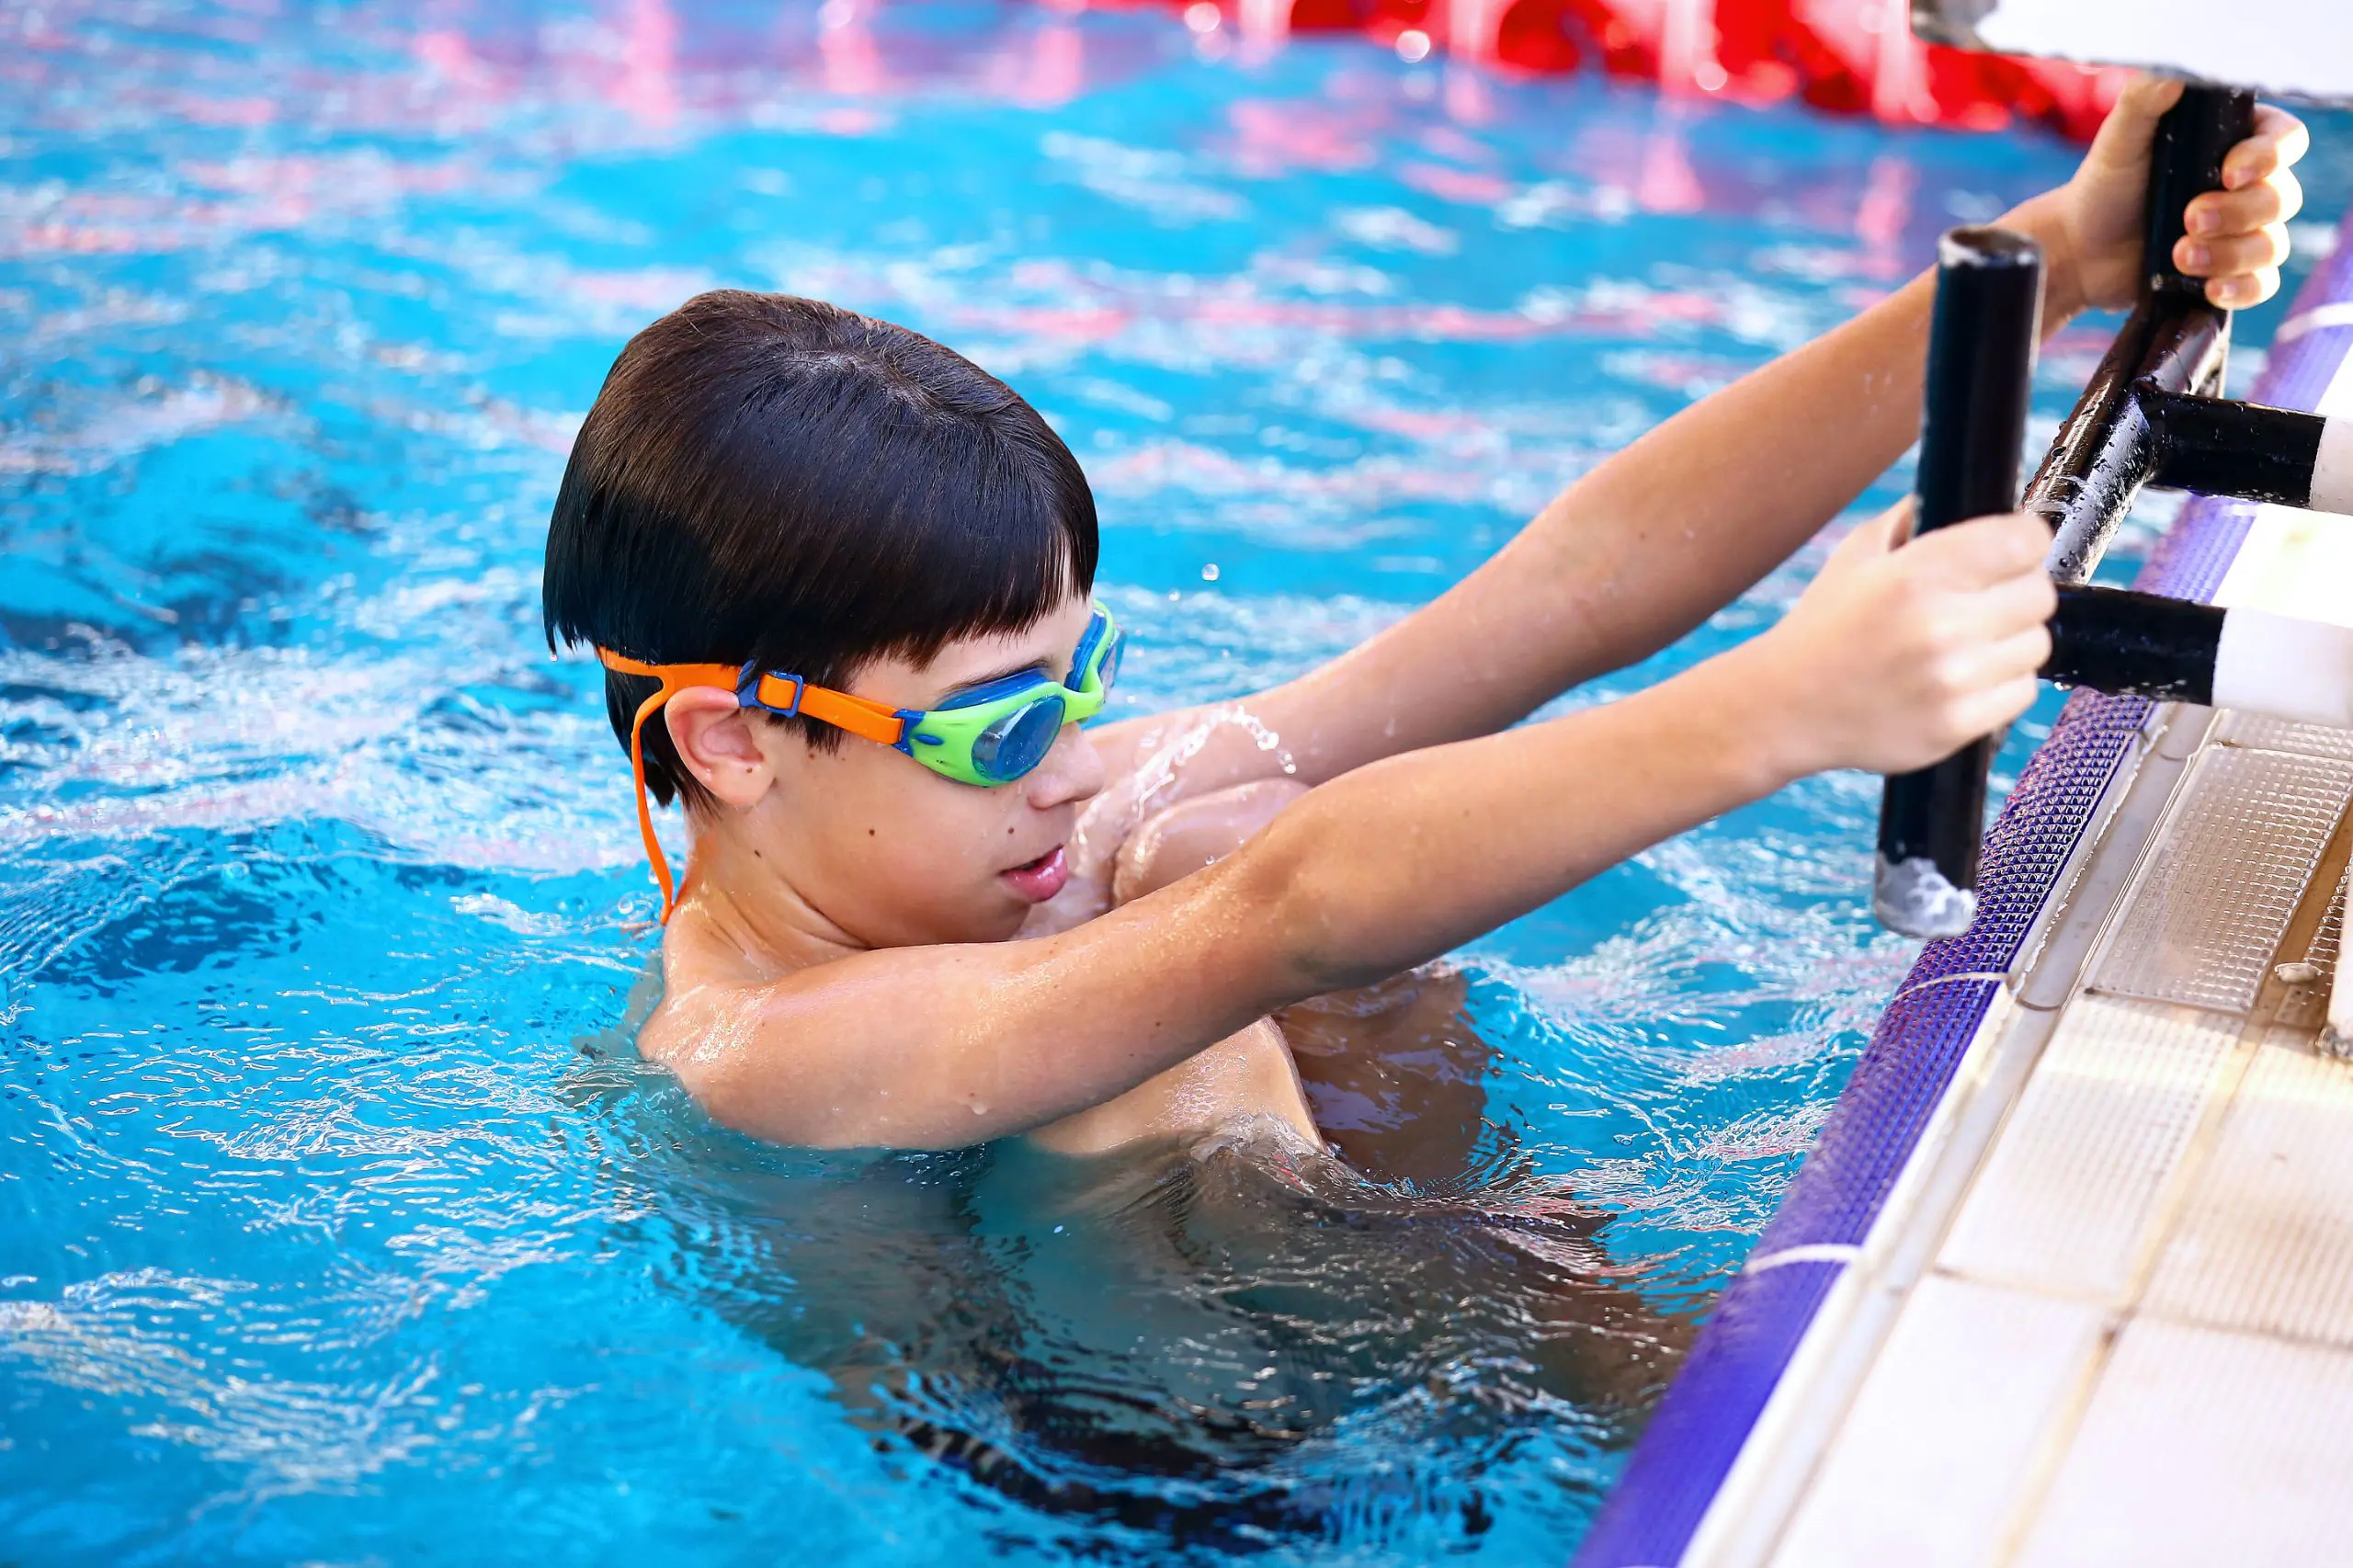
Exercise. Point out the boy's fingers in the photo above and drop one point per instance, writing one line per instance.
(2231, 255)
(2002, 704)
(2249, 289)
(2121, 146)
(1891, 527)
(2028, 600)
(1985, 552)
(2275, 200)
(2279, 139)
(2020, 654)
(2125, 136)
(1873, 535)
(2003, 633)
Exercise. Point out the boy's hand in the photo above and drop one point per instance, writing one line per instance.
(2237, 236)
(1897, 657)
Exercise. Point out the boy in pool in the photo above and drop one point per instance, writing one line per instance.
(839, 578)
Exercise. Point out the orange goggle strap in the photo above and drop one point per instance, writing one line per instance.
(788, 695)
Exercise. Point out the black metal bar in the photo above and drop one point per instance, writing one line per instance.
(2174, 343)
(1981, 370)
(2140, 644)
(2174, 340)
(2105, 451)
(2220, 448)
(2187, 161)
(1981, 375)
(2132, 422)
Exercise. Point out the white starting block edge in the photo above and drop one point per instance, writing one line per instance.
(1724, 1474)
(2296, 48)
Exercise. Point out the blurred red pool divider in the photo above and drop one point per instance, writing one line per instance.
(1846, 56)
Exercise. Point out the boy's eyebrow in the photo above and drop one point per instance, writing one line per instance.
(1038, 666)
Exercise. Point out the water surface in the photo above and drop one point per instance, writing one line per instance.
(337, 1222)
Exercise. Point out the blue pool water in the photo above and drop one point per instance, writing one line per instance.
(337, 1222)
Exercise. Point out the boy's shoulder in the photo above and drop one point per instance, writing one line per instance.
(728, 1014)
(720, 1030)
(714, 999)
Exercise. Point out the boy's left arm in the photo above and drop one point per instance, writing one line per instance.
(1660, 536)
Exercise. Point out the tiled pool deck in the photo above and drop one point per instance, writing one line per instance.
(2081, 1292)
(2117, 1324)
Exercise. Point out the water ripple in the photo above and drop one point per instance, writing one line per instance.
(336, 1215)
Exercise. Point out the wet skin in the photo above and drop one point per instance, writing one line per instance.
(1250, 1074)
(824, 853)
(1391, 1074)
(1202, 1207)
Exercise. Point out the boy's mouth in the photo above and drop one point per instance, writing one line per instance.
(1037, 881)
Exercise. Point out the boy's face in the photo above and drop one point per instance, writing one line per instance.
(896, 855)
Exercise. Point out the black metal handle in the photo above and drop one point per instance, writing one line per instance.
(2216, 447)
(2193, 138)
(1981, 372)
(2117, 640)
(2174, 341)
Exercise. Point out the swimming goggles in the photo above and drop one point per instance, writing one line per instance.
(990, 734)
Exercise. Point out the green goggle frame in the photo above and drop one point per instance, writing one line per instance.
(999, 732)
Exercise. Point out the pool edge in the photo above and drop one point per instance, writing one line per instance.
(1880, 1129)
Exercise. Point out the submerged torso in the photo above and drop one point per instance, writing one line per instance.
(1248, 1075)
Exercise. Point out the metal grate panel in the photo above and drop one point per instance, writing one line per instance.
(2231, 863)
(2260, 732)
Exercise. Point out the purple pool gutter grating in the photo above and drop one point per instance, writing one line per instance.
(1700, 1425)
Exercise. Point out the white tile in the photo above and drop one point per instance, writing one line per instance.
(2144, 787)
(1926, 1466)
(2181, 729)
(2266, 1241)
(2231, 862)
(2203, 1448)
(2066, 1199)
(2292, 563)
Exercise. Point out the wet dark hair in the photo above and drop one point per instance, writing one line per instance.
(770, 478)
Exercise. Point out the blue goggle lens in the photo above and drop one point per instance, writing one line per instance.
(1019, 740)
(1107, 667)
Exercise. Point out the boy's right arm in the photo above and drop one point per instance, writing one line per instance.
(1892, 658)
(1662, 534)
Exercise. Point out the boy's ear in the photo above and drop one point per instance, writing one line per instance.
(714, 738)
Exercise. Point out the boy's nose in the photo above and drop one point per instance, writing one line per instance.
(1071, 773)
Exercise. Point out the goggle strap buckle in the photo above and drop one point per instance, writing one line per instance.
(753, 685)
